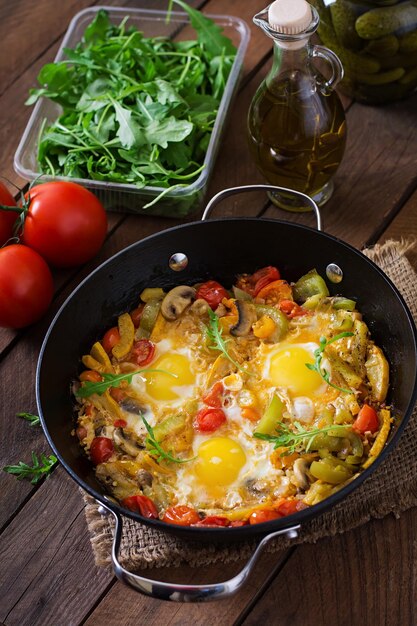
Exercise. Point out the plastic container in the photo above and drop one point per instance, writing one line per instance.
(127, 197)
(376, 41)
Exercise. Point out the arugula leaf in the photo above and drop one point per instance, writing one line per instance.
(33, 420)
(209, 34)
(215, 335)
(35, 472)
(156, 450)
(111, 380)
(298, 441)
(316, 367)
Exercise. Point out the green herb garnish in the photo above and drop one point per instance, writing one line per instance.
(297, 441)
(35, 472)
(136, 110)
(316, 367)
(33, 420)
(111, 380)
(215, 335)
(155, 449)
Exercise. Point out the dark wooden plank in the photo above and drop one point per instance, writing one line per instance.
(48, 575)
(404, 226)
(26, 32)
(122, 601)
(367, 576)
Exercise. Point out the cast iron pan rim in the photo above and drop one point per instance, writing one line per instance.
(257, 529)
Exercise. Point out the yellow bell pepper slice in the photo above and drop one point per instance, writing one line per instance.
(127, 336)
(92, 364)
(99, 354)
(381, 439)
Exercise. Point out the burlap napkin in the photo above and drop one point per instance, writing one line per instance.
(391, 489)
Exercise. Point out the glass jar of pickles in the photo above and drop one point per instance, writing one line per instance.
(376, 41)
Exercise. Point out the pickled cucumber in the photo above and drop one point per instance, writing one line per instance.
(408, 43)
(409, 79)
(384, 47)
(382, 78)
(385, 21)
(344, 19)
(399, 60)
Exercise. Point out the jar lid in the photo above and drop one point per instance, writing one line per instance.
(289, 17)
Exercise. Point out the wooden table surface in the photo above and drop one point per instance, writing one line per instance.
(367, 576)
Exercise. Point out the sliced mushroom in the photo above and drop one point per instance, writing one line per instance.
(257, 486)
(176, 301)
(144, 478)
(115, 476)
(200, 306)
(300, 479)
(126, 443)
(247, 317)
(131, 405)
(104, 431)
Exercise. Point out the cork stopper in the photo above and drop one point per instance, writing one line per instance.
(289, 17)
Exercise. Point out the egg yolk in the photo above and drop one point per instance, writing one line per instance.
(219, 461)
(162, 385)
(288, 369)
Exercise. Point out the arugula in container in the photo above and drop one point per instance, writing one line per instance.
(136, 110)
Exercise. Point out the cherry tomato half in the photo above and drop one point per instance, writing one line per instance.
(91, 376)
(101, 450)
(208, 420)
(213, 520)
(136, 315)
(263, 515)
(65, 223)
(181, 515)
(213, 397)
(253, 283)
(291, 309)
(287, 507)
(7, 218)
(120, 424)
(143, 351)
(110, 339)
(212, 292)
(26, 286)
(142, 505)
(367, 420)
(276, 291)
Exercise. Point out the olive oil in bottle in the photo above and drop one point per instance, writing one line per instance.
(296, 122)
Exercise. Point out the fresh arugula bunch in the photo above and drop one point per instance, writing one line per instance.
(136, 110)
(298, 440)
(317, 367)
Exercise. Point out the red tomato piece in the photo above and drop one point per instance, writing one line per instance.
(288, 507)
(142, 505)
(212, 292)
(91, 376)
(213, 397)
(181, 515)
(143, 351)
(26, 286)
(81, 432)
(239, 522)
(263, 515)
(253, 283)
(291, 309)
(213, 520)
(120, 423)
(367, 420)
(66, 224)
(110, 339)
(263, 277)
(208, 420)
(136, 315)
(7, 218)
(101, 450)
(117, 394)
(276, 291)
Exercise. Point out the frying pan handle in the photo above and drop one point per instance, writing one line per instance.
(243, 188)
(179, 592)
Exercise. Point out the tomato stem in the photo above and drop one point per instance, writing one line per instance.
(17, 209)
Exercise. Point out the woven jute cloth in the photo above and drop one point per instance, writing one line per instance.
(392, 488)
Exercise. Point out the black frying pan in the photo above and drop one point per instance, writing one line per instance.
(218, 249)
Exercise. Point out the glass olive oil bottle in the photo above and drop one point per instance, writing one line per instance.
(296, 122)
